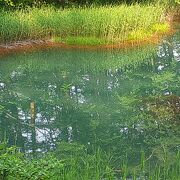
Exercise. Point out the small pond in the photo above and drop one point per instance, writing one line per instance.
(123, 101)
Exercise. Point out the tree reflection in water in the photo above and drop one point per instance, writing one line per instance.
(123, 101)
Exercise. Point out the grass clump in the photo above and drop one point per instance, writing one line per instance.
(85, 25)
(85, 41)
(142, 34)
(72, 163)
(161, 28)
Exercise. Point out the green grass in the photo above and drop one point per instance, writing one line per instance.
(88, 25)
(85, 41)
(82, 166)
(78, 40)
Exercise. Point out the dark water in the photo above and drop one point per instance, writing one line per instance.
(125, 101)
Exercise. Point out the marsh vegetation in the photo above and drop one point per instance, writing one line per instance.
(83, 114)
(84, 25)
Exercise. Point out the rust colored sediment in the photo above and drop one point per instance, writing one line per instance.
(28, 46)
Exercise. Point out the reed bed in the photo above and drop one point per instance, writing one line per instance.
(103, 25)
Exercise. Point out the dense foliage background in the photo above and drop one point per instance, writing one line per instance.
(13, 3)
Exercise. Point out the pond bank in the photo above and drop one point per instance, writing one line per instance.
(108, 27)
(32, 45)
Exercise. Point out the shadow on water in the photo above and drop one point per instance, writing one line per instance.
(122, 101)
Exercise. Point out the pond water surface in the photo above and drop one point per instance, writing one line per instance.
(125, 101)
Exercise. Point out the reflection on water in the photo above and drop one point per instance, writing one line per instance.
(125, 101)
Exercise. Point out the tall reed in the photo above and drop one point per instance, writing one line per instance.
(112, 23)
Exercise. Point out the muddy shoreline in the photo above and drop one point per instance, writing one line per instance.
(34, 45)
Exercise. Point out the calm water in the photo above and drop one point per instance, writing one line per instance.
(124, 101)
